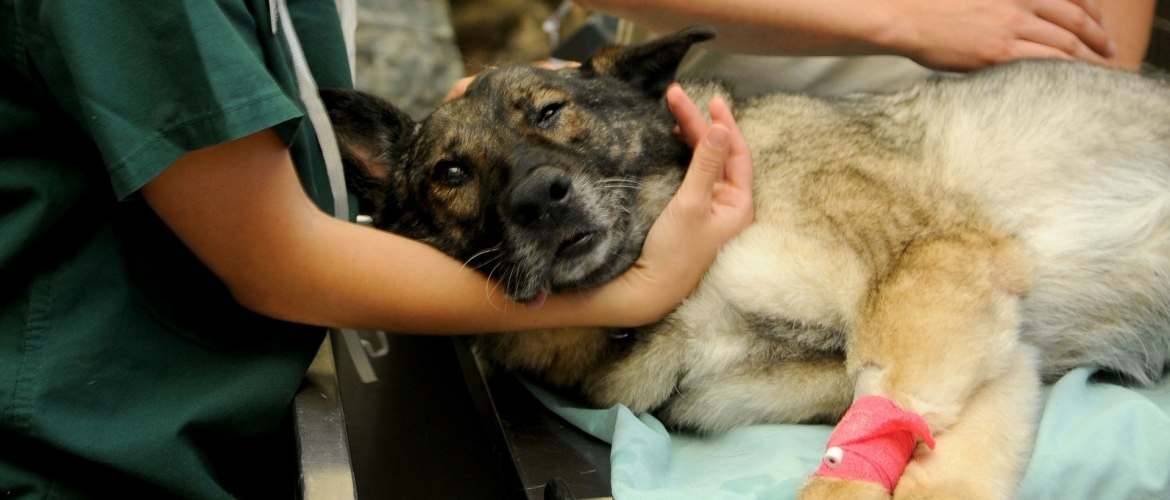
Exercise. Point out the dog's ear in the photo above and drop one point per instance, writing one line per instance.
(649, 66)
(366, 127)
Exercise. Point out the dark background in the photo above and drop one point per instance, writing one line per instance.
(1159, 52)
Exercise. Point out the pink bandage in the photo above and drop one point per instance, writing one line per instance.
(874, 442)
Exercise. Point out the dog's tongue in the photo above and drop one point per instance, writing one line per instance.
(539, 299)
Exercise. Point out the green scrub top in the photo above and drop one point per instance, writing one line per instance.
(126, 369)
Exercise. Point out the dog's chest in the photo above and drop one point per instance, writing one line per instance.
(772, 295)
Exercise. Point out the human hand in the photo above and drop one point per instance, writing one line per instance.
(970, 34)
(713, 204)
(458, 88)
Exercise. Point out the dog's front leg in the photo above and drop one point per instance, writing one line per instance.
(938, 340)
(981, 456)
(642, 379)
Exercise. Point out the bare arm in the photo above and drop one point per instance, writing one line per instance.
(956, 34)
(1128, 23)
(242, 211)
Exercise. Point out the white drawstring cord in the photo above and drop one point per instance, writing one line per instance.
(319, 117)
(272, 14)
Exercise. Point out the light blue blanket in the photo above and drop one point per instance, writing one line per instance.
(1096, 441)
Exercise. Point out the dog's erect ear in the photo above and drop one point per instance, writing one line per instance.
(366, 127)
(649, 66)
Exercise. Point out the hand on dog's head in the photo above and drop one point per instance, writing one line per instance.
(547, 169)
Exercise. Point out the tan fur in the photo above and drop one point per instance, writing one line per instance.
(838, 488)
(979, 456)
(563, 356)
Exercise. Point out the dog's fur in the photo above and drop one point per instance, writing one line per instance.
(948, 247)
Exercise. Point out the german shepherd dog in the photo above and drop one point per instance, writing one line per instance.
(948, 247)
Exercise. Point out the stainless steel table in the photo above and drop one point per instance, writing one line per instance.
(433, 426)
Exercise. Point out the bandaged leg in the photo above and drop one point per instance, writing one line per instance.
(982, 456)
(873, 442)
(940, 327)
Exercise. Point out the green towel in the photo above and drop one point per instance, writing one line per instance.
(1096, 441)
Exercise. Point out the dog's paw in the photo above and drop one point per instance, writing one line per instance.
(936, 491)
(927, 478)
(831, 488)
(915, 486)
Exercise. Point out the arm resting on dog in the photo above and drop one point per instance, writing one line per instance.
(1129, 22)
(955, 35)
(242, 211)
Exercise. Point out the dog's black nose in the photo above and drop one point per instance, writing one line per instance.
(541, 198)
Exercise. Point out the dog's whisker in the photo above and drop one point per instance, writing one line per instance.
(630, 184)
(636, 187)
(608, 187)
(617, 181)
(618, 184)
(488, 289)
(627, 262)
(477, 254)
(489, 261)
(655, 191)
(508, 276)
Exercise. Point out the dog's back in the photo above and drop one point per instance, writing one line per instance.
(1072, 159)
(1082, 176)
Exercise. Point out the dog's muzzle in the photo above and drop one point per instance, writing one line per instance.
(542, 199)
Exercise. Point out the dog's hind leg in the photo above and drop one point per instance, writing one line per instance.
(938, 338)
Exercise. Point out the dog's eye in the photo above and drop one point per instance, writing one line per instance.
(450, 173)
(547, 115)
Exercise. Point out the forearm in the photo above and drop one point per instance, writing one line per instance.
(339, 274)
(1128, 23)
(791, 27)
(241, 209)
(952, 35)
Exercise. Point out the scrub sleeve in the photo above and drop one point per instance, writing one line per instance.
(126, 369)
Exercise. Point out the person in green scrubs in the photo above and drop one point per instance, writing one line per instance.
(168, 263)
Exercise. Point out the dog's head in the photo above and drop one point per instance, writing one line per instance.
(544, 180)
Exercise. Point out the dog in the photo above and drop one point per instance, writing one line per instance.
(949, 247)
